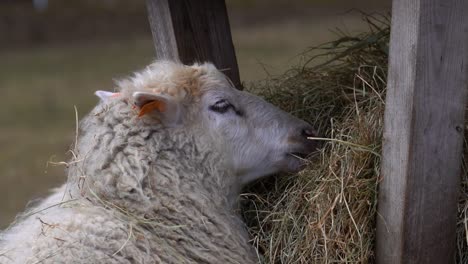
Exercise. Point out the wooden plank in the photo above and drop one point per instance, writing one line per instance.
(194, 31)
(160, 21)
(423, 134)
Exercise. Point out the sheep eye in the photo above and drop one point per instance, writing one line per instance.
(221, 106)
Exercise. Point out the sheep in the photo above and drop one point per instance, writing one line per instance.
(157, 170)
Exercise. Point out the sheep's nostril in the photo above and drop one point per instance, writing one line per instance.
(308, 132)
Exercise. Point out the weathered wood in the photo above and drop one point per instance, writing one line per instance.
(159, 17)
(194, 31)
(424, 120)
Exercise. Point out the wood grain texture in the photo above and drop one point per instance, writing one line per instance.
(423, 134)
(159, 17)
(194, 31)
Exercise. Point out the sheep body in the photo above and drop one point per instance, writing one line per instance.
(79, 232)
(144, 189)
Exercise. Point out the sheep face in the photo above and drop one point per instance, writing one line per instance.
(259, 138)
(256, 138)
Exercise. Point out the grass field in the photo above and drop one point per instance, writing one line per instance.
(41, 86)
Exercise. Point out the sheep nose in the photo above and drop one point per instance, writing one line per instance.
(308, 132)
(306, 139)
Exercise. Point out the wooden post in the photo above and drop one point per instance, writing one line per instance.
(194, 31)
(424, 122)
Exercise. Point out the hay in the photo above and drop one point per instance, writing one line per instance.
(327, 213)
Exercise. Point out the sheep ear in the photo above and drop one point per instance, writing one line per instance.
(164, 107)
(105, 95)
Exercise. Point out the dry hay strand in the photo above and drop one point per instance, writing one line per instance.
(327, 212)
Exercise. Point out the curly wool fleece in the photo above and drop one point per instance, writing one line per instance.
(139, 192)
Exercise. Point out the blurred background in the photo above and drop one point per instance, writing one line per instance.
(55, 53)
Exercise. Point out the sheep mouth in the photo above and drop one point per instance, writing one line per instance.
(295, 161)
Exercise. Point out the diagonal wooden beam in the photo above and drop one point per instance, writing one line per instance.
(194, 31)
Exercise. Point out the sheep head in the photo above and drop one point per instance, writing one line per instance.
(255, 138)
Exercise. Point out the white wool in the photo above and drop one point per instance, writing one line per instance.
(146, 188)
